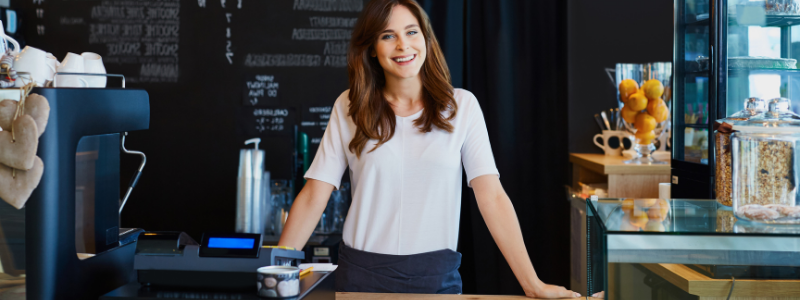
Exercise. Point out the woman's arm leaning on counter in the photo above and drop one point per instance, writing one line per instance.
(500, 217)
(305, 213)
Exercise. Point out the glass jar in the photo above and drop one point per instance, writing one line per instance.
(722, 150)
(782, 7)
(765, 171)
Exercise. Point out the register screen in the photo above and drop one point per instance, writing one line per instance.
(230, 243)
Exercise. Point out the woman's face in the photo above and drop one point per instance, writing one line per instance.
(400, 48)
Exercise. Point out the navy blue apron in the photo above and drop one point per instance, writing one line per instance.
(424, 273)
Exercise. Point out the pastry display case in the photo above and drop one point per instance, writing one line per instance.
(686, 249)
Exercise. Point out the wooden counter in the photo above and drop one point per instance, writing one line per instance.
(624, 180)
(373, 296)
(707, 288)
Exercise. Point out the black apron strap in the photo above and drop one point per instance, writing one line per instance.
(425, 273)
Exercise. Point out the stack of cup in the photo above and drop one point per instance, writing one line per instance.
(86, 62)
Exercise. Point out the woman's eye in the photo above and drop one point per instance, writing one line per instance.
(386, 37)
(413, 32)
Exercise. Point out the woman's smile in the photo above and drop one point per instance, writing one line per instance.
(404, 60)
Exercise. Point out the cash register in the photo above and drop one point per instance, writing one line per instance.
(221, 266)
(219, 261)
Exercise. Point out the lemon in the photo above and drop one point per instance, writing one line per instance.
(627, 88)
(658, 109)
(653, 89)
(637, 102)
(645, 137)
(644, 122)
(628, 115)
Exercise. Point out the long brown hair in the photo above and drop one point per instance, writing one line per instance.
(371, 113)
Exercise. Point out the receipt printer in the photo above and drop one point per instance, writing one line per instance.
(221, 261)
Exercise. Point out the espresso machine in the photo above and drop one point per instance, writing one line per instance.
(85, 125)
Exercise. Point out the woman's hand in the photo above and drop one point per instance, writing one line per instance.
(551, 291)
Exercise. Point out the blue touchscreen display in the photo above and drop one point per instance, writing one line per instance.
(230, 243)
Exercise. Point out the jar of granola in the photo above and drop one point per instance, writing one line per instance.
(765, 165)
(722, 149)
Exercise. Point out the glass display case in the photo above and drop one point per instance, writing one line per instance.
(686, 249)
(726, 52)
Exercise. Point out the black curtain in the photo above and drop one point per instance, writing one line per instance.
(514, 61)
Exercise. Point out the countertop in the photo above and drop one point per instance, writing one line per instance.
(606, 165)
(374, 296)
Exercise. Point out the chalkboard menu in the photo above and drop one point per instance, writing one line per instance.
(218, 72)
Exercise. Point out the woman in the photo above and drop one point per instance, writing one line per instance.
(404, 132)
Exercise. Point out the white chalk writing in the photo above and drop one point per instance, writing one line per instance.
(335, 61)
(336, 48)
(320, 109)
(270, 112)
(332, 22)
(70, 21)
(315, 34)
(145, 33)
(329, 5)
(282, 60)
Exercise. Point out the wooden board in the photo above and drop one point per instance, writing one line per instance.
(376, 296)
(700, 285)
(603, 164)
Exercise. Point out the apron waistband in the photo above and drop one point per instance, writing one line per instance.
(433, 272)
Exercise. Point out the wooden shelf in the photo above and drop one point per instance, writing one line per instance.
(615, 165)
(698, 284)
(624, 180)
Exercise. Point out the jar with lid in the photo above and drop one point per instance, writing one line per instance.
(765, 165)
(722, 149)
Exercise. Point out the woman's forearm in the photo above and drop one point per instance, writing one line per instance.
(500, 217)
(305, 213)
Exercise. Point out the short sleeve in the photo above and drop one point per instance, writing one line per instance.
(476, 153)
(331, 160)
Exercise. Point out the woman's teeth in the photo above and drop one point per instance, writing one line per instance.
(405, 59)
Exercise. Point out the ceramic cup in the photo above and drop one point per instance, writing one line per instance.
(278, 281)
(34, 62)
(609, 141)
(52, 65)
(72, 63)
(93, 63)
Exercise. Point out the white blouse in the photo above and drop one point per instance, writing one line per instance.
(407, 193)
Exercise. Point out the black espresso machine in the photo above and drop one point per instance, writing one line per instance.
(66, 240)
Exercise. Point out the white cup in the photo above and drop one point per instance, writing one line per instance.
(72, 63)
(613, 141)
(52, 64)
(609, 141)
(34, 62)
(93, 64)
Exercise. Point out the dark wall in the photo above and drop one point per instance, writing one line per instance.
(601, 34)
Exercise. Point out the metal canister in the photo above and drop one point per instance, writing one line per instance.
(278, 282)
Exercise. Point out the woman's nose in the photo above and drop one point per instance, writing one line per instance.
(402, 44)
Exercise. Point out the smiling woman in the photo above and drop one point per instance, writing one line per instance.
(404, 133)
(393, 46)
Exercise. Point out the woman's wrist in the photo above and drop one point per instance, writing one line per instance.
(533, 286)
